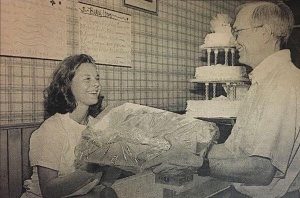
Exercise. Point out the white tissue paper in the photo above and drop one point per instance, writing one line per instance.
(130, 134)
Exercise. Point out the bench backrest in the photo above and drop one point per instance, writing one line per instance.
(14, 160)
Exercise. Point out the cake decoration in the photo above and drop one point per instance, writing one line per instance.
(232, 78)
(219, 107)
(221, 35)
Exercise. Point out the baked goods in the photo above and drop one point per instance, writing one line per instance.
(219, 107)
(216, 73)
(232, 78)
(217, 39)
(221, 35)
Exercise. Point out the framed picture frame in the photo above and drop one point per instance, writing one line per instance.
(150, 6)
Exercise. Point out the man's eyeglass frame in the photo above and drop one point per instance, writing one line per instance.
(236, 32)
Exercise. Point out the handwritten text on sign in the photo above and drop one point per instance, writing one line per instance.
(105, 35)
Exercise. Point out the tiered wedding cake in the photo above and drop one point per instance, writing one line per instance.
(232, 78)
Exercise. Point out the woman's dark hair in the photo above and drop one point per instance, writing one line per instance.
(58, 96)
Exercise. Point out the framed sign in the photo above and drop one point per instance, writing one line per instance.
(35, 29)
(144, 5)
(105, 35)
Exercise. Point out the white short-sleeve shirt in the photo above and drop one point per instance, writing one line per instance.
(52, 146)
(268, 123)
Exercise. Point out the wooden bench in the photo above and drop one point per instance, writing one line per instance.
(14, 160)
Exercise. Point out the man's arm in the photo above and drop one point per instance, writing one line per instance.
(253, 170)
(223, 164)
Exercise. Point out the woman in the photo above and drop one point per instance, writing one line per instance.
(71, 100)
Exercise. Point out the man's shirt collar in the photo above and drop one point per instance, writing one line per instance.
(271, 63)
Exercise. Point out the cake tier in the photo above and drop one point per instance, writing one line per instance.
(218, 40)
(212, 108)
(215, 73)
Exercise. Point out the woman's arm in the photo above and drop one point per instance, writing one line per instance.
(53, 186)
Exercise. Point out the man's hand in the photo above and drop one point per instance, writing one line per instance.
(174, 161)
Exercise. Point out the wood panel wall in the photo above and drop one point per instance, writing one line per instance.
(14, 160)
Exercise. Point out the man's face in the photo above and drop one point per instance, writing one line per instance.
(249, 39)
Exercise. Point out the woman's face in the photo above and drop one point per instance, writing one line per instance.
(85, 85)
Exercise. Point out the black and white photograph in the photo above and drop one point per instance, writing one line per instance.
(150, 98)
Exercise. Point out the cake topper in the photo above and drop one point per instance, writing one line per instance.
(220, 35)
(221, 24)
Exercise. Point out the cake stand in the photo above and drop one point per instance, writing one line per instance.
(216, 50)
(229, 85)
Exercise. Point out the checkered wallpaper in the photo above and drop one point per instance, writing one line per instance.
(165, 53)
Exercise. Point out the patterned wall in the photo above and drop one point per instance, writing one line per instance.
(165, 53)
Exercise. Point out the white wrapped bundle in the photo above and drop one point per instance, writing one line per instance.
(131, 134)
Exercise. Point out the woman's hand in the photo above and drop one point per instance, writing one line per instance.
(111, 174)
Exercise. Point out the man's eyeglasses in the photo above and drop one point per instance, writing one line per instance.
(236, 32)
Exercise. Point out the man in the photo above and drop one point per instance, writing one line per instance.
(262, 154)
